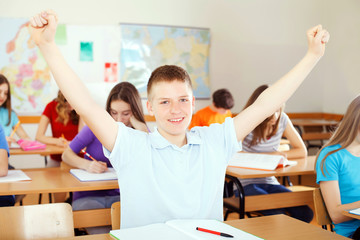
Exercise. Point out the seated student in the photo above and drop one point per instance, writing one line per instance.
(8, 118)
(64, 122)
(217, 112)
(5, 201)
(337, 171)
(265, 138)
(124, 105)
(169, 173)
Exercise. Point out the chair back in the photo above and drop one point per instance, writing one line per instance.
(115, 215)
(321, 213)
(42, 221)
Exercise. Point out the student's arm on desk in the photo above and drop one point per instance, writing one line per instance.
(20, 132)
(298, 148)
(278, 93)
(40, 134)
(72, 159)
(3, 162)
(331, 194)
(43, 29)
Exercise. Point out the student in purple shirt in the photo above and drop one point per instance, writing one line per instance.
(124, 105)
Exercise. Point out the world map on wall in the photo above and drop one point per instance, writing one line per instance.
(24, 67)
(146, 47)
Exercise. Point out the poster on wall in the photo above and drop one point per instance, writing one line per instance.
(146, 47)
(23, 65)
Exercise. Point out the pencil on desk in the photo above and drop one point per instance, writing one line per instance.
(87, 154)
(15, 128)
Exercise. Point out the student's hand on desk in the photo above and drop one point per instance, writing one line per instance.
(96, 167)
(317, 38)
(10, 140)
(43, 27)
(61, 142)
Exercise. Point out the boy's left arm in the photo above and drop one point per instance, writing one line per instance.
(278, 93)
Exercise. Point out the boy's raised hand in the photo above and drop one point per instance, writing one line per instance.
(43, 27)
(317, 38)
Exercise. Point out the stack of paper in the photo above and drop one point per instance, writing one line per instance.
(85, 176)
(15, 175)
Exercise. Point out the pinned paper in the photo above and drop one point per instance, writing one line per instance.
(60, 36)
(111, 72)
(86, 52)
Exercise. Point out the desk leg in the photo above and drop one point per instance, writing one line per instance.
(46, 161)
(241, 195)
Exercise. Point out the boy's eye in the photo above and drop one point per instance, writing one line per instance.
(183, 100)
(164, 102)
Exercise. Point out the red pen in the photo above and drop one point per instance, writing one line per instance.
(214, 232)
(87, 154)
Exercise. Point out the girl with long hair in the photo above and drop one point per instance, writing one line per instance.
(124, 106)
(265, 138)
(8, 118)
(337, 171)
(64, 122)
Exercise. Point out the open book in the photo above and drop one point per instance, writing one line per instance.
(259, 161)
(182, 230)
(85, 176)
(14, 176)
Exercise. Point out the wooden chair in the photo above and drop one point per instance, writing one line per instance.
(36, 221)
(321, 213)
(115, 215)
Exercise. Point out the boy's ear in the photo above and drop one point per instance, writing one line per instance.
(193, 104)
(149, 108)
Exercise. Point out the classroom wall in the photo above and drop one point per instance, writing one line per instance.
(252, 42)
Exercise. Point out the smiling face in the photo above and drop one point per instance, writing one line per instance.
(4, 93)
(120, 111)
(172, 104)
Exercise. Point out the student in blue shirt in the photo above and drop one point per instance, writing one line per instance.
(337, 171)
(170, 173)
(5, 201)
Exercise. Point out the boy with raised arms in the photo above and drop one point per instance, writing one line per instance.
(170, 173)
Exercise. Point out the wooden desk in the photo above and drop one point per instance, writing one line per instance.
(276, 227)
(52, 180)
(50, 149)
(346, 213)
(307, 122)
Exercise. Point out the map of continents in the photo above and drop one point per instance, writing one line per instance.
(146, 47)
(23, 65)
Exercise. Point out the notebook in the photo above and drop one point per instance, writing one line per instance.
(14, 176)
(85, 176)
(355, 211)
(182, 230)
(28, 145)
(265, 162)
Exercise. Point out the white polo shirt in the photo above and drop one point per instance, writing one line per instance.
(159, 181)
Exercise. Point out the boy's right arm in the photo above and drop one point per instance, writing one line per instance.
(43, 29)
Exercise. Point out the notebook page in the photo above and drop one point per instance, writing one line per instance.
(85, 176)
(355, 211)
(255, 161)
(150, 232)
(189, 227)
(14, 176)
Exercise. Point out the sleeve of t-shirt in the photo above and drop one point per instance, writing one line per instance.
(221, 137)
(49, 109)
(330, 169)
(14, 119)
(284, 119)
(82, 139)
(129, 142)
(3, 142)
